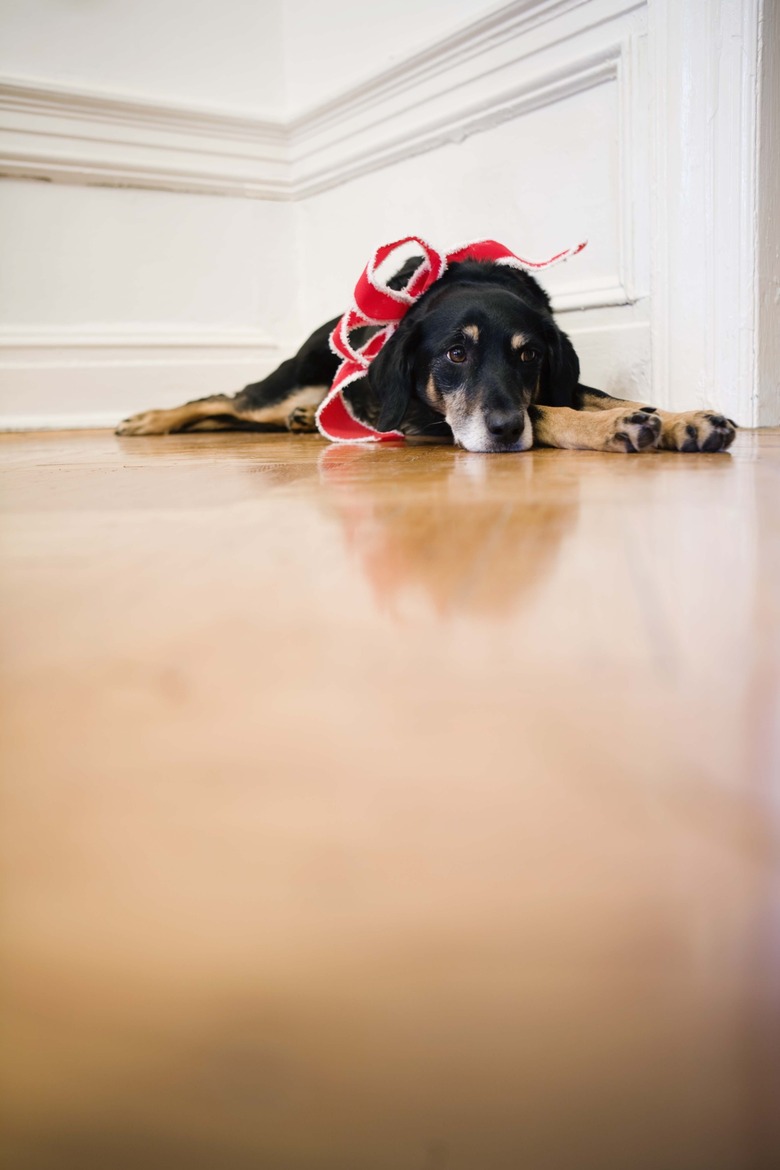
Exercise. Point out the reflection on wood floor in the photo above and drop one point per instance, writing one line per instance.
(389, 808)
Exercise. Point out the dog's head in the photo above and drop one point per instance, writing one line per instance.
(478, 348)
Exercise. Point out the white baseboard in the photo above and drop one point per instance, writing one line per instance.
(88, 421)
(104, 374)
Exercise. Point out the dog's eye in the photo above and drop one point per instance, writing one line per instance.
(529, 354)
(457, 354)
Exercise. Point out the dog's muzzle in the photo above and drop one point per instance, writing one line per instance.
(496, 432)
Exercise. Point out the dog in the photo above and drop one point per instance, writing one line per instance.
(478, 360)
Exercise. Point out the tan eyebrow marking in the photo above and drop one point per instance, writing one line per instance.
(519, 340)
(432, 393)
(471, 331)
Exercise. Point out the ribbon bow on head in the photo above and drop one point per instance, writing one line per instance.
(377, 305)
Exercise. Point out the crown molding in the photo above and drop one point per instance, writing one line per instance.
(532, 93)
(28, 96)
(509, 22)
(67, 135)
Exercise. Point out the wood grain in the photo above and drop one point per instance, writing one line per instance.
(389, 807)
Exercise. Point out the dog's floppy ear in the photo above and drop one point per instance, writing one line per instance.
(391, 378)
(561, 370)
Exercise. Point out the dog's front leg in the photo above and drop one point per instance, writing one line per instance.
(621, 429)
(686, 430)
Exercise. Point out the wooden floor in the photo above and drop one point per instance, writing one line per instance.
(390, 808)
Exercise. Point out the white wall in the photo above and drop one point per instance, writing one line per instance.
(224, 54)
(205, 207)
(82, 254)
(331, 46)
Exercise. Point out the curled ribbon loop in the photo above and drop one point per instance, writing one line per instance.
(376, 304)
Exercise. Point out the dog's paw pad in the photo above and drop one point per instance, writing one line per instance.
(302, 419)
(698, 430)
(636, 431)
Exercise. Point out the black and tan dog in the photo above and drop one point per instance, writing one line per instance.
(478, 360)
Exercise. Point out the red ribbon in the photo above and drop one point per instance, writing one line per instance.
(377, 304)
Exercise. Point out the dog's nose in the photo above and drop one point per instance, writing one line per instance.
(506, 425)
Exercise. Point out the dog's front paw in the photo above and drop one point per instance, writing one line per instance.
(302, 419)
(148, 422)
(697, 430)
(628, 431)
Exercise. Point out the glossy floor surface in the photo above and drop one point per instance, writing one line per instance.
(389, 808)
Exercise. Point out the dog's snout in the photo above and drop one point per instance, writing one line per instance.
(505, 425)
